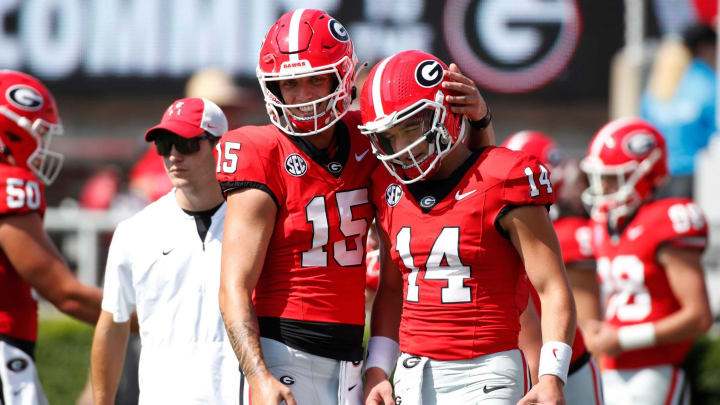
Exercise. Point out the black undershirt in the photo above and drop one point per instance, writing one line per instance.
(203, 220)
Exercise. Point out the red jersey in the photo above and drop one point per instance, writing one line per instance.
(20, 193)
(314, 269)
(635, 287)
(575, 239)
(464, 282)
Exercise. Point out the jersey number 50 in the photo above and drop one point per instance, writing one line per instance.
(21, 193)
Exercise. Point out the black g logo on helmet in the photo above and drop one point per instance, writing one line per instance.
(640, 144)
(338, 31)
(429, 73)
(24, 97)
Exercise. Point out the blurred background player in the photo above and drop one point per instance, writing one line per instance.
(573, 231)
(457, 235)
(649, 264)
(165, 261)
(29, 262)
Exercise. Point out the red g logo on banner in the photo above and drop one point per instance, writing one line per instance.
(511, 46)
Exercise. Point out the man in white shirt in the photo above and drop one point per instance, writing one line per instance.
(164, 262)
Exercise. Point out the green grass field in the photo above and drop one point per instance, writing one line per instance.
(63, 357)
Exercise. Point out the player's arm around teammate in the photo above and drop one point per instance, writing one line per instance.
(249, 224)
(683, 267)
(532, 234)
(465, 98)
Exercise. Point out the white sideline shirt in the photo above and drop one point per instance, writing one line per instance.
(158, 265)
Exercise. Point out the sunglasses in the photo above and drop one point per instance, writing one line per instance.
(185, 146)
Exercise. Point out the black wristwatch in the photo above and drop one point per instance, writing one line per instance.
(482, 123)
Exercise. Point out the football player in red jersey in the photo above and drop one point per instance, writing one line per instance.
(459, 229)
(648, 262)
(573, 231)
(298, 210)
(28, 259)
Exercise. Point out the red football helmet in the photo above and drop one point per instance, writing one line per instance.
(29, 120)
(544, 148)
(404, 86)
(306, 43)
(537, 144)
(632, 153)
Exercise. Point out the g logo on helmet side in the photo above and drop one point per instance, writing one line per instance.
(429, 73)
(640, 144)
(24, 97)
(338, 31)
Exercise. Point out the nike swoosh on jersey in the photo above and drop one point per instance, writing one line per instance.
(459, 196)
(362, 155)
(488, 390)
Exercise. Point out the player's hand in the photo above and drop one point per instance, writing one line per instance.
(377, 388)
(548, 391)
(464, 97)
(601, 338)
(266, 390)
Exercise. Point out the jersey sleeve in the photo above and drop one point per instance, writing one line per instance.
(245, 160)
(20, 192)
(679, 223)
(527, 182)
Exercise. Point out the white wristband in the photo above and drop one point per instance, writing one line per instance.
(636, 336)
(382, 352)
(555, 360)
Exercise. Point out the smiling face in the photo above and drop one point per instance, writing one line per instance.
(306, 90)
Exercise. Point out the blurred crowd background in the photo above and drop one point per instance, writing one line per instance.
(564, 67)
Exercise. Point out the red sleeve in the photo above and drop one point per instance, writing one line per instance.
(575, 239)
(20, 191)
(246, 159)
(678, 222)
(526, 182)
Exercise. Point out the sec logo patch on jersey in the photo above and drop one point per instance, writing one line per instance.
(393, 194)
(295, 165)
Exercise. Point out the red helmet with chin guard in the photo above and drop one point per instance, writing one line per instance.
(300, 44)
(633, 153)
(28, 121)
(408, 86)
